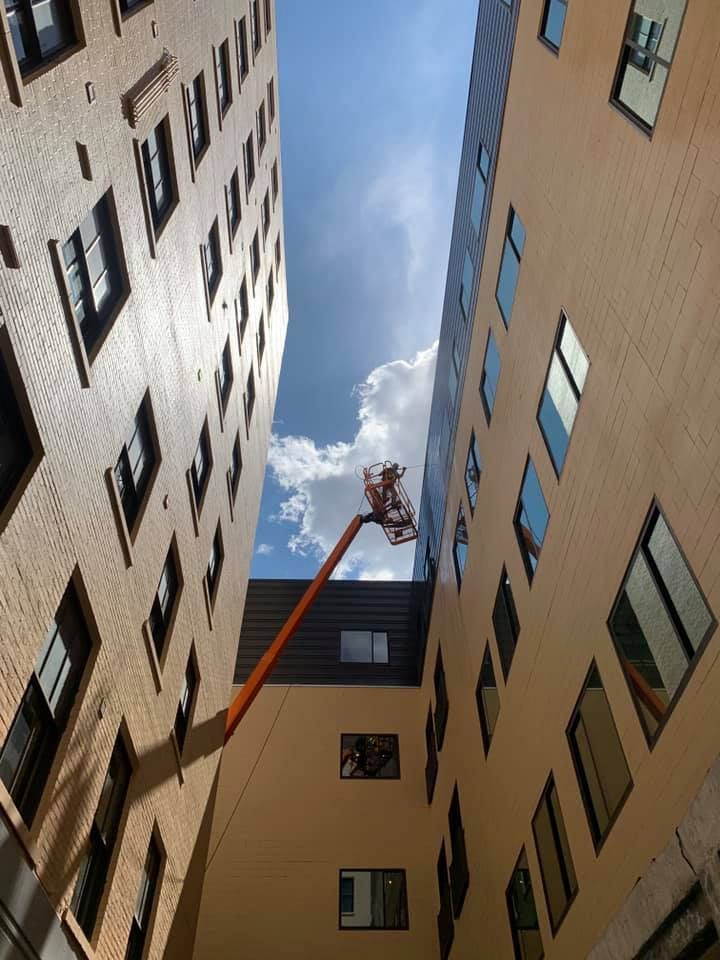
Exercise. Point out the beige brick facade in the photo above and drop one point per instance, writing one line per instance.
(163, 340)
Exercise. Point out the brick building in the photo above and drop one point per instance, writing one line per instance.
(548, 783)
(143, 312)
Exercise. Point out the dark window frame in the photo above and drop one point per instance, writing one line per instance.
(598, 837)
(473, 463)
(467, 313)
(460, 525)
(234, 477)
(576, 391)
(255, 258)
(223, 79)
(517, 950)
(695, 656)
(487, 410)
(382, 870)
(225, 383)
(141, 929)
(508, 239)
(21, 419)
(256, 38)
(442, 701)
(261, 340)
(519, 509)
(624, 62)
(249, 398)
(232, 200)
(373, 633)
(37, 62)
(459, 870)
(195, 93)
(542, 37)
(212, 580)
(385, 736)
(184, 716)
(213, 242)
(431, 762)
(159, 217)
(261, 128)
(484, 176)
(570, 894)
(445, 918)
(241, 49)
(510, 610)
(485, 732)
(143, 498)
(162, 634)
(199, 490)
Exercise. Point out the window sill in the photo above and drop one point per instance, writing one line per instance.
(73, 927)
(155, 667)
(178, 757)
(119, 513)
(18, 825)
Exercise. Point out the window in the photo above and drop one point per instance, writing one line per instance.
(242, 48)
(261, 339)
(255, 257)
(40, 31)
(244, 308)
(270, 291)
(235, 465)
(454, 373)
(379, 900)
(531, 519)
(482, 172)
(363, 646)
(128, 5)
(232, 197)
(16, 450)
(271, 99)
(149, 879)
(526, 938)
(268, 17)
(278, 254)
(222, 77)
(347, 895)
(598, 756)
(659, 623)
(442, 704)
(563, 387)
(472, 472)
(94, 272)
(274, 181)
(505, 623)
(265, 214)
(490, 376)
(187, 700)
(212, 260)
(460, 546)
(261, 128)
(556, 865)
(255, 29)
(488, 700)
(431, 764)
(466, 286)
(201, 466)
(553, 22)
(197, 117)
(103, 836)
(369, 756)
(459, 876)
(41, 719)
(215, 562)
(646, 58)
(165, 601)
(249, 161)
(225, 375)
(510, 266)
(156, 155)
(250, 397)
(445, 921)
(136, 465)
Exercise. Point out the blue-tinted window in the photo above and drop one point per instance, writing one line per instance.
(467, 284)
(510, 266)
(561, 396)
(553, 22)
(490, 376)
(472, 472)
(531, 519)
(454, 373)
(481, 177)
(460, 546)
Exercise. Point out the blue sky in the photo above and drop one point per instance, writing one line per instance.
(372, 101)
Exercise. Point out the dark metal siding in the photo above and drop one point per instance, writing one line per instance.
(492, 56)
(313, 654)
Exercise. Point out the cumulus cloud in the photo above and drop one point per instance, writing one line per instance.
(322, 486)
(264, 549)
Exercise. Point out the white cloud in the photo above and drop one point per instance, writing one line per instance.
(323, 486)
(264, 549)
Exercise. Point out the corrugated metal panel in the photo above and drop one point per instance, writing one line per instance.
(492, 56)
(313, 655)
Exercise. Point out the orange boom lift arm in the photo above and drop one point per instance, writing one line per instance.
(392, 510)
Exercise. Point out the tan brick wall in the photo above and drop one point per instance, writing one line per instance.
(162, 340)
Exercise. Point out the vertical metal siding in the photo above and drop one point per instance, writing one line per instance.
(492, 56)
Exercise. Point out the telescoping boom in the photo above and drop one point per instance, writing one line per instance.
(391, 509)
